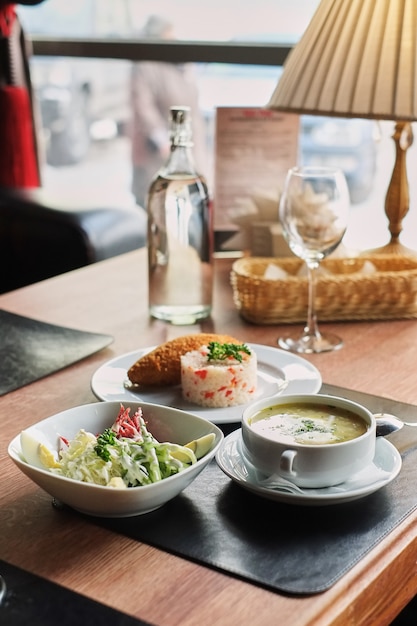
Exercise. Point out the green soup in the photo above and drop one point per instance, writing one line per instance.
(315, 424)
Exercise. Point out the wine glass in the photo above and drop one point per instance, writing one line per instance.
(313, 212)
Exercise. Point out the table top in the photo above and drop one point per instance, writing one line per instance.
(111, 297)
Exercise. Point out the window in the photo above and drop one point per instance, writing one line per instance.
(217, 20)
(85, 103)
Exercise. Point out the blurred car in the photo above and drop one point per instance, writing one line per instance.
(345, 143)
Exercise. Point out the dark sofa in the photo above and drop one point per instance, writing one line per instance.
(41, 237)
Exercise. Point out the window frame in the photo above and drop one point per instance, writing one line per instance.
(172, 51)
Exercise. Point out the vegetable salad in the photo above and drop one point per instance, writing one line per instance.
(125, 455)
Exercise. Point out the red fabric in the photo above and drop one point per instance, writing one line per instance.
(7, 17)
(18, 163)
(18, 154)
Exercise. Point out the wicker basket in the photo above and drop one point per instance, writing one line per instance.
(344, 292)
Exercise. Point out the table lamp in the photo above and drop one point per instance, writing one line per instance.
(358, 59)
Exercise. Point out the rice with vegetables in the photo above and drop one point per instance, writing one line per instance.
(219, 375)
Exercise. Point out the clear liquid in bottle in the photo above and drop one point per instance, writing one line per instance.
(179, 239)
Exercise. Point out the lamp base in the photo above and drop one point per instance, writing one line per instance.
(393, 247)
(397, 201)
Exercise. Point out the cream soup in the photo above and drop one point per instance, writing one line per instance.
(308, 423)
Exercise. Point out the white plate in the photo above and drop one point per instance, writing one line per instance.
(278, 371)
(384, 468)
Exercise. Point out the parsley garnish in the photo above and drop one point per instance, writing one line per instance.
(108, 436)
(222, 351)
(309, 425)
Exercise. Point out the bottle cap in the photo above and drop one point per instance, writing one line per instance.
(181, 132)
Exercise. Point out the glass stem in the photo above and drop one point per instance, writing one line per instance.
(311, 329)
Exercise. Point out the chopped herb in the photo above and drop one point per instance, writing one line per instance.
(108, 436)
(222, 351)
(308, 425)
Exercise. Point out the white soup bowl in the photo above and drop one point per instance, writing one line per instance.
(306, 464)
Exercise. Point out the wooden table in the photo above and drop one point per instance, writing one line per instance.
(111, 297)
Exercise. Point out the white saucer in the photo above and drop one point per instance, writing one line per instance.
(384, 468)
(279, 372)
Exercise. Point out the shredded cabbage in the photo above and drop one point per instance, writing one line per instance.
(137, 460)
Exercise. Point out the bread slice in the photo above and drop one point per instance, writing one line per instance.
(162, 366)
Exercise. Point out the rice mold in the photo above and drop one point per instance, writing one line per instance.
(218, 383)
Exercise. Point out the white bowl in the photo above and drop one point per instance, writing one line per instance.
(308, 465)
(165, 423)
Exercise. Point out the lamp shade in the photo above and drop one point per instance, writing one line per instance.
(357, 58)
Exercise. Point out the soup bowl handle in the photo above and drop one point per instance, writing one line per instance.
(287, 463)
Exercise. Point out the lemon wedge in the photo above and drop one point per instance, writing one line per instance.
(202, 445)
(185, 456)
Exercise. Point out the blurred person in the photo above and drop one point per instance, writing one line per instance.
(155, 87)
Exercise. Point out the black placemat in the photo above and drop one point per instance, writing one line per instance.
(31, 349)
(286, 548)
(30, 599)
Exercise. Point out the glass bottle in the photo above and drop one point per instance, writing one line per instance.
(179, 233)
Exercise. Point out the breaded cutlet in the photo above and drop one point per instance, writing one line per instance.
(162, 366)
